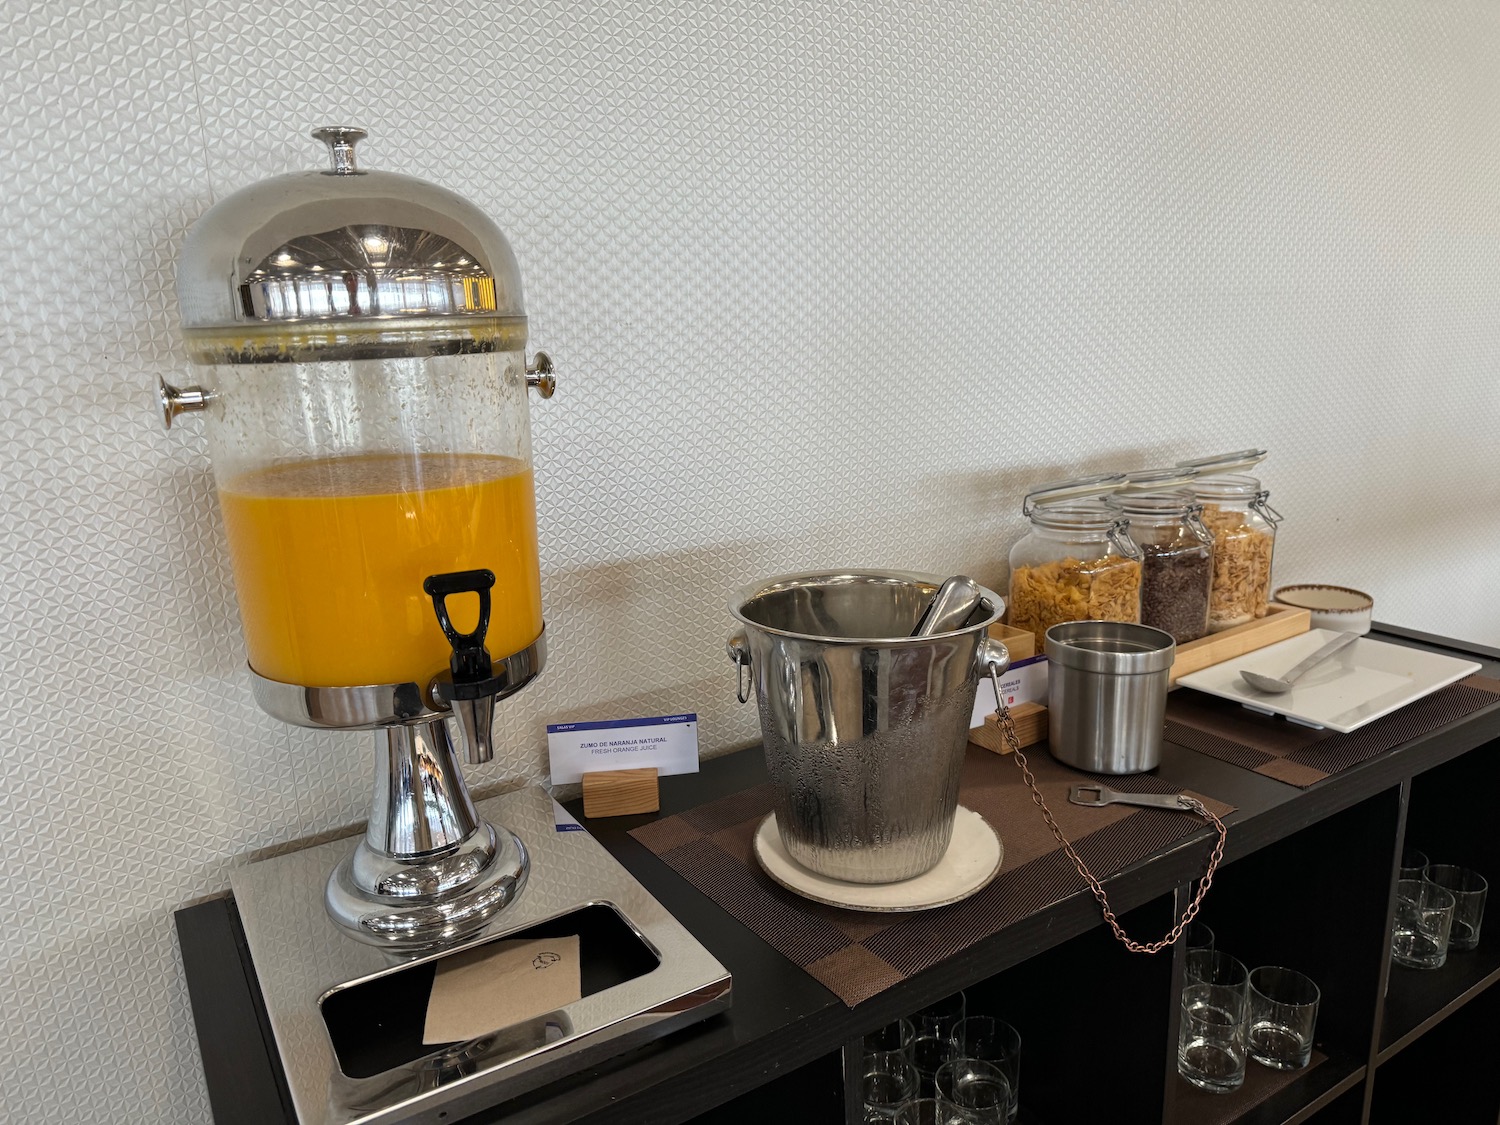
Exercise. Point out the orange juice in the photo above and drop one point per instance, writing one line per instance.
(329, 557)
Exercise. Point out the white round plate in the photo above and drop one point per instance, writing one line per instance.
(971, 861)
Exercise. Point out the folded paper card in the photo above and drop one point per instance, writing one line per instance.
(500, 984)
(1025, 681)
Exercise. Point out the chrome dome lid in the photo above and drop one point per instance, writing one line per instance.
(350, 251)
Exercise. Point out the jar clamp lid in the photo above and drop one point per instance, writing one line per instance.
(1056, 492)
(1225, 462)
(1084, 503)
(1165, 494)
(1148, 481)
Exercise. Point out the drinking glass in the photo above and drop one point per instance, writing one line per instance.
(1424, 917)
(994, 1041)
(930, 1111)
(934, 1043)
(1210, 966)
(1468, 889)
(895, 1036)
(942, 1016)
(1198, 936)
(977, 1089)
(1413, 863)
(1283, 1013)
(1211, 1038)
(888, 1083)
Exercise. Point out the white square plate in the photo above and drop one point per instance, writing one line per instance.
(1355, 686)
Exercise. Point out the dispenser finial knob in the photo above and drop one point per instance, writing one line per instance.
(340, 140)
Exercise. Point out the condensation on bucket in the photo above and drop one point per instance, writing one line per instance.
(878, 809)
(864, 724)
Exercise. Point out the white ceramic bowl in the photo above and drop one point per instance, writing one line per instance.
(1333, 607)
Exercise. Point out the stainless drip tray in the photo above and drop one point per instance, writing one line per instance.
(348, 1018)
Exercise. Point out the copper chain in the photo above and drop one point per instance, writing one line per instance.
(1008, 728)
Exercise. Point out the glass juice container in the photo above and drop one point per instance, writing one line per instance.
(1236, 511)
(1176, 552)
(1077, 562)
(359, 337)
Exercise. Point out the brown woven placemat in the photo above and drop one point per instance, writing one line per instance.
(1199, 1107)
(1302, 756)
(856, 955)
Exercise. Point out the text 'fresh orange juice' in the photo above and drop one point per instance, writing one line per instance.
(329, 557)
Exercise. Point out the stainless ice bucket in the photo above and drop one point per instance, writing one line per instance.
(1107, 695)
(864, 725)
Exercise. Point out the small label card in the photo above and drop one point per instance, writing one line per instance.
(563, 820)
(1025, 681)
(668, 742)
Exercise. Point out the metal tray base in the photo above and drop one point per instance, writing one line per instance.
(300, 957)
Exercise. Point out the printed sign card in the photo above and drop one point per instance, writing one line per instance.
(1025, 681)
(668, 742)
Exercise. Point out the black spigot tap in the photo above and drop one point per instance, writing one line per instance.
(473, 686)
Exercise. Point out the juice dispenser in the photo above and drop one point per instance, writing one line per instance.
(360, 342)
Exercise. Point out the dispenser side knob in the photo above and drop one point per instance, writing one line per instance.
(181, 400)
(539, 376)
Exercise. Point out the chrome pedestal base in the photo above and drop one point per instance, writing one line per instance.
(429, 871)
(473, 882)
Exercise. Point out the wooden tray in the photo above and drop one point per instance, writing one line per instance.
(1279, 623)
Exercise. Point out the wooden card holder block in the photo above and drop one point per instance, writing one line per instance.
(621, 792)
(1030, 720)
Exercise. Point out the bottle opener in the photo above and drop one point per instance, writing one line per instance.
(1097, 796)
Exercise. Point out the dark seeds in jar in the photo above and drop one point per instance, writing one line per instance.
(1174, 590)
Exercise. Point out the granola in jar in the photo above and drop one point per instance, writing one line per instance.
(1242, 566)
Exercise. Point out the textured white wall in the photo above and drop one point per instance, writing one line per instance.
(826, 284)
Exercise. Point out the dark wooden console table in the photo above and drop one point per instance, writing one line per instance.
(1309, 878)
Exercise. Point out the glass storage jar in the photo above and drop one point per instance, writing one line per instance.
(1077, 562)
(1176, 555)
(1243, 524)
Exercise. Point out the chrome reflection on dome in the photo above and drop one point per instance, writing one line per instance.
(368, 271)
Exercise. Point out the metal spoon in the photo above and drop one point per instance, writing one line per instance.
(1274, 686)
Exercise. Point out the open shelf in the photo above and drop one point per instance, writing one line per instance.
(1273, 907)
(1268, 1097)
(1419, 998)
(1081, 1000)
(1445, 1074)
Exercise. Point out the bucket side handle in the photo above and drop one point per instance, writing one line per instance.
(993, 658)
(738, 647)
